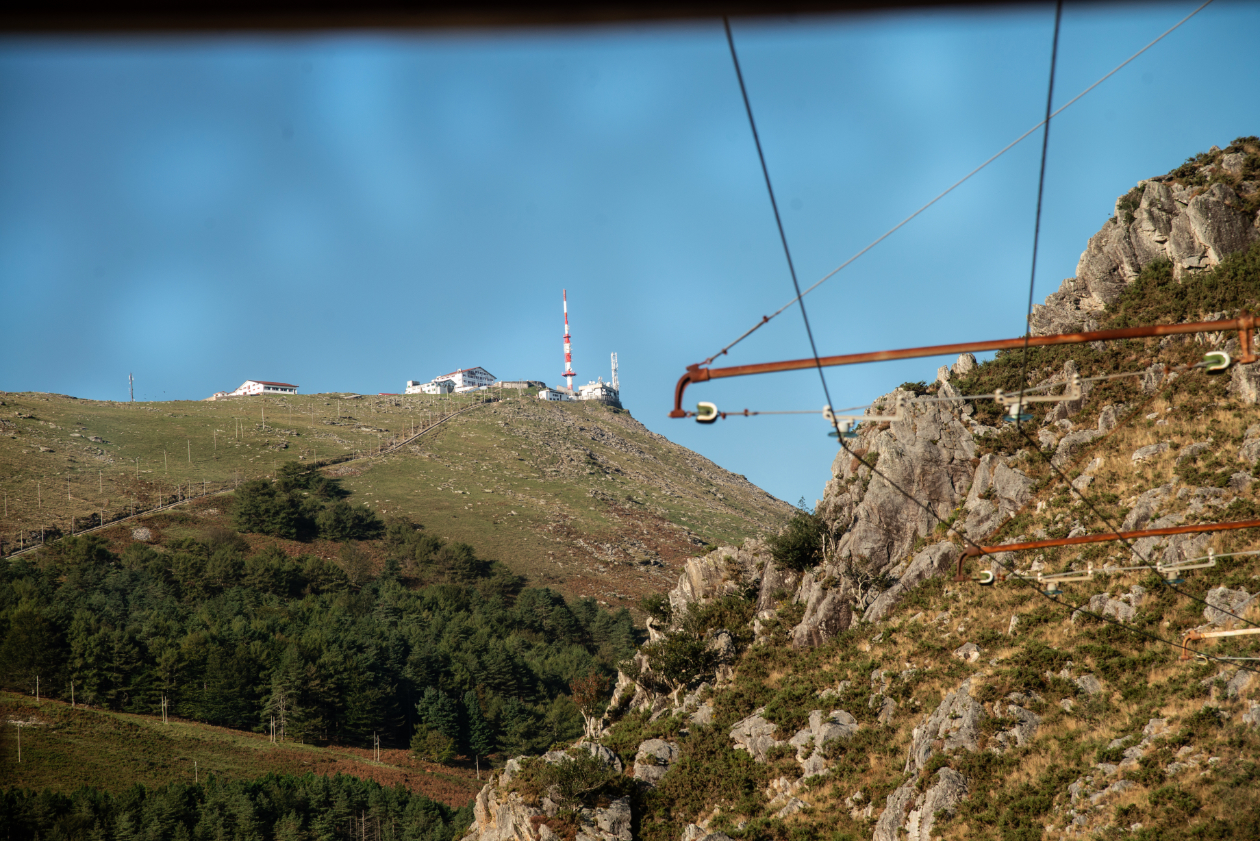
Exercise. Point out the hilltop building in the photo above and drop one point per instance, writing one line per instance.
(252, 387)
(465, 379)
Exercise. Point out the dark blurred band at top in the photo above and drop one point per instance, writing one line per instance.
(202, 16)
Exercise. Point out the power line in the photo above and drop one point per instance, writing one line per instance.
(822, 375)
(730, 40)
(981, 550)
(767, 318)
(1041, 188)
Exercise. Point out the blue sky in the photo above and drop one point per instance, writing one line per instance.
(350, 211)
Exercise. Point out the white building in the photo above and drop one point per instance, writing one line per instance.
(601, 392)
(250, 387)
(468, 379)
(435, 387)
(554, 395)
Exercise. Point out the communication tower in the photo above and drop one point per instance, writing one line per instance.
(616, 384)
(568, 350)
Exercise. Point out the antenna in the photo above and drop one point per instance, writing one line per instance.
(616, 383)
(131, 383)
(568, 350)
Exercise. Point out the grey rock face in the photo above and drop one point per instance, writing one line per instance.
(1145, 507)
(653, 760)
(955, 723)
(755, 735)
(1171, 222)
(724, 571)
(1252, 716)
(1244, 383)
(1122, 609)
(811, 741)
(1008, 488)
(1025, 728)
(142, 534)
(942, 797)
(828, 594)
(1149, 452)
(1223, 602)
(935, 560)
(965, 365)
(776, 584)
(1089, 684)
(928, 454)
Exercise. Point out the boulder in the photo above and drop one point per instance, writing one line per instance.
(941, 798)
(1222, 602)
(968, 652)
(1150, 451)
(955, 724)
(936, 560)
(142, 534)
(653, 760)
(755, 735)
(1021, 734)
(1122, 609)
(1089, 684)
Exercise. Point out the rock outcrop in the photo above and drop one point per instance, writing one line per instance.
(1160, 219)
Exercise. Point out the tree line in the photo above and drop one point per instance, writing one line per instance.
(439, 649)
(283, 807)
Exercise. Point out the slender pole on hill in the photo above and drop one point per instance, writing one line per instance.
(72, 694)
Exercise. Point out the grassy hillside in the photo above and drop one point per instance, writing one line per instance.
(577, 496)
(64, 748)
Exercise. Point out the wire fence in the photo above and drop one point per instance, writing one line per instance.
(142, 496)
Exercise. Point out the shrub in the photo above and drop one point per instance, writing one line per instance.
(342, 521)
(799, 546)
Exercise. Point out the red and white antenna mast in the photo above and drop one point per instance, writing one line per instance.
(568, 350)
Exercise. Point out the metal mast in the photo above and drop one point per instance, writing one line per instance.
(568, 350)
(616, 384)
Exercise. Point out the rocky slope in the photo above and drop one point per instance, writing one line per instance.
(873, 696)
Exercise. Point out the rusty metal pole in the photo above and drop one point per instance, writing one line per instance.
(1244, 324)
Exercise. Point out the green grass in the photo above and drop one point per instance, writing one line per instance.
(579, 477)
(64, 748)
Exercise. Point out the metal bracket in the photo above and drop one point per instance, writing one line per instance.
(845, 423)
(1014, 403)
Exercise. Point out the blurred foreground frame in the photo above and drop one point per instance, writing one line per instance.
(200, 16)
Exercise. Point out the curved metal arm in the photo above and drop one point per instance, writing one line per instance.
(1245, 324)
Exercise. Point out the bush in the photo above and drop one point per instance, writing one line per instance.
(799, 546)
(432, 745)
(262, 508)
(342, 521)
(577, 778)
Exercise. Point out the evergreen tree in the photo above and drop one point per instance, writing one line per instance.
(480, 736)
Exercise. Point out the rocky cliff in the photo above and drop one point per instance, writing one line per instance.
(870, 695)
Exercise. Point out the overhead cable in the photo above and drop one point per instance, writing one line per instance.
(826, 392)
(767, 318)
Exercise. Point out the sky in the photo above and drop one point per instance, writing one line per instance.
(349, 211)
